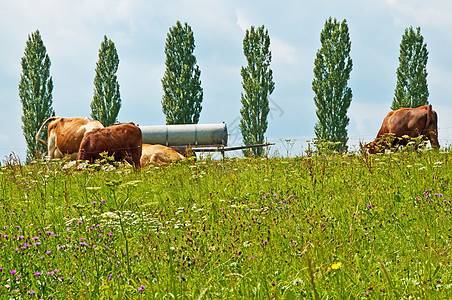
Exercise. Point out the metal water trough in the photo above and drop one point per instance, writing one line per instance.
(195, 137)
(186, 134)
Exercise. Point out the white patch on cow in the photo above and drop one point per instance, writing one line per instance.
(88, 127)
(51, 145)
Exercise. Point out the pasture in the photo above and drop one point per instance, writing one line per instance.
(311, 227)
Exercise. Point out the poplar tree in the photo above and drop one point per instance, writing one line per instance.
(107, 99)
(35, 92)
(332, 67)
(411, 88)
(182, 91)
(258, 84)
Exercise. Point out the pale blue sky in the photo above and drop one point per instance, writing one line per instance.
(73, 30)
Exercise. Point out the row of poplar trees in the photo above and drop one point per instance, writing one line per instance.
(183, 94)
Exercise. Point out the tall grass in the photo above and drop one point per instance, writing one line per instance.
(314, 227)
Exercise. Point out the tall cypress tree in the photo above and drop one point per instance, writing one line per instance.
(182, 91)
(258, 84)
(332, 68)
(107, 99)
(411, 88)
(35, 92)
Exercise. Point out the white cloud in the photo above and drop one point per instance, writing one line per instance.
(242, 20)
(436, 12)
(283, 51)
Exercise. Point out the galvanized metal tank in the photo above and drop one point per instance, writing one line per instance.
(186, 134)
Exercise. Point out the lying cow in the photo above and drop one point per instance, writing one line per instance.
(65, 135)
(411, 122)
(122, 141)
(159, 155)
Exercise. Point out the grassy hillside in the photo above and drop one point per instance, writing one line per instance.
(308, 227)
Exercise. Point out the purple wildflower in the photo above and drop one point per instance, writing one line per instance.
(13, 272)
(141, 288)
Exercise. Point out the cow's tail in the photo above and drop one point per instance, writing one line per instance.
(38, 139)
(427, 123)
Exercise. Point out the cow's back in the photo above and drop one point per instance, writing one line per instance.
(159, 154)
(66, 134)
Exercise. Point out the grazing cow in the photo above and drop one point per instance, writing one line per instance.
(122, 141)
(159, 155)
(65, 134)
(406, 122)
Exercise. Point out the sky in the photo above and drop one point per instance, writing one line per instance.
(72, 32)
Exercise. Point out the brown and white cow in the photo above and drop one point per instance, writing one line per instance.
(411, 122)
(65, 135)
(122, 141)
(159, 155)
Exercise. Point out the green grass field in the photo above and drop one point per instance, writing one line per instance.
(314, 227)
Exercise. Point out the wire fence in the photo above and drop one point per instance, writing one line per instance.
(284, 147)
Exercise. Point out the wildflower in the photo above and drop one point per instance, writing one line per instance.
(37, 243)
(141, 288)
(94, 202)
(322, 224)
(49, 232)
(35, 238)
(265, 243)
(13, 272)
(336, 266)
(83, 244)
(48, 252)
(31, 292)
(369, 206)
(38, 274)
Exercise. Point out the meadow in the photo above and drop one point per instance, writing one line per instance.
(317, 226)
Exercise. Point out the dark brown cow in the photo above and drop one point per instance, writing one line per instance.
(122, 141)
(65, 134)
(411, 122)
(159, 155)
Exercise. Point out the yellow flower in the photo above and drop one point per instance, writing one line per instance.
(336, 266)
